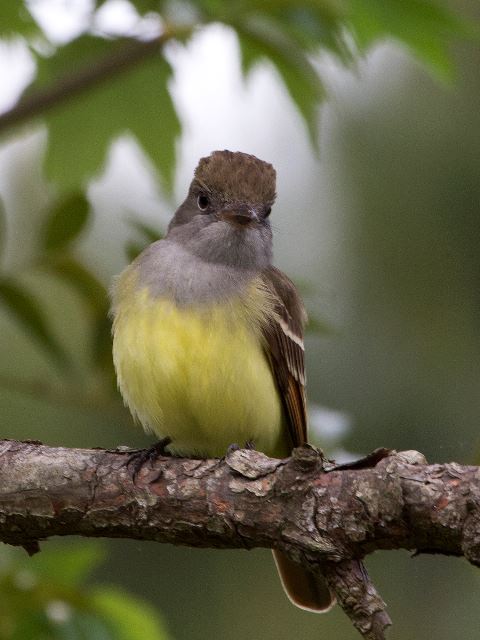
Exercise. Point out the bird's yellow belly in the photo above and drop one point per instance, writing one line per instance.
(200, 377)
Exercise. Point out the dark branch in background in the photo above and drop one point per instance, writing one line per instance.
(325, 518)
(76, 82)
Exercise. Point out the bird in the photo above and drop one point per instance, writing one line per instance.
(208, 335)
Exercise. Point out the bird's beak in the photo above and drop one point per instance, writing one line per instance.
(241, 217)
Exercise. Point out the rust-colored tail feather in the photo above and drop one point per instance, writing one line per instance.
(304, 589)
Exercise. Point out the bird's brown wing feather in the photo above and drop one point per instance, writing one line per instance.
(284, 345)
(284, 339)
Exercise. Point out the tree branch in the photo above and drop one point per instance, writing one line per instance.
(321, 516)
(85, 78)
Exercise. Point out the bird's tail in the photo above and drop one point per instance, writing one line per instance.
(304, 589)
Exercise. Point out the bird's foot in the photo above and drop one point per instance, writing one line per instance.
(249, 444)
(367, 462)
(138, 458)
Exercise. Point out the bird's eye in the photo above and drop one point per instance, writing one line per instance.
(268, 211)
(202, 201)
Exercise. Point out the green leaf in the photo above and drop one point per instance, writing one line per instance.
(425, 26)
(142, 6)
(29, 314)
(79, 626)
(131, 97)
(311, 25)
(70, 565)
(87, 285)
(155, 124)
(258, 42)
(15, 19)
(134, 249)
(43, 597)
(95, 296)
(29, 624)
(65, 222)
(102, 345)
(130, 618)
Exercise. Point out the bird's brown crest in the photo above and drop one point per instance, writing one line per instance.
(237, 176)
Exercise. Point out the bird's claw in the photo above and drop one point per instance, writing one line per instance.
(138, 458)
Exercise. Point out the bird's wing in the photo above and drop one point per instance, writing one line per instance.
(284, 344)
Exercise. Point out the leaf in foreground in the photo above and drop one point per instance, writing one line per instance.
(16, 20)
(130, 618)
(65, 222)
(129, 98)
(427, 27)
(45, 597)
(27, 311)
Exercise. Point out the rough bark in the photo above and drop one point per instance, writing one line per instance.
(324, 517)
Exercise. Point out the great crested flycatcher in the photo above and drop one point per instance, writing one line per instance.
(208, 335)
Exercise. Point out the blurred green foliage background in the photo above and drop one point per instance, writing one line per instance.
(369, 111)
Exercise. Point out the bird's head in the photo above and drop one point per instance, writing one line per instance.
(225, 217)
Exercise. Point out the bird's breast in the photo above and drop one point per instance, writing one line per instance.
(198, 373)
